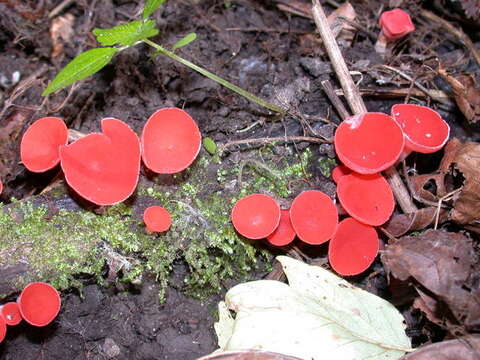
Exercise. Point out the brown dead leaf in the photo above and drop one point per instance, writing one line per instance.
(340, 27)
(419, 184)
(400, 224)
(466, 348)
(445, 264)
(61, 31)
(466, 93)
(467, 205)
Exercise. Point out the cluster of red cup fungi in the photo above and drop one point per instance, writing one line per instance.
(366, 144)
(104, 167)
(38, 304)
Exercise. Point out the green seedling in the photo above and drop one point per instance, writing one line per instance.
(121, 37)
(210, 145)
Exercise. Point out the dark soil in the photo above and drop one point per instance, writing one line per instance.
(268, 52)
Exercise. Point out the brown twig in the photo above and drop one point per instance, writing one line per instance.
(264, 141)
(334, 99)
(355, 100)
(338, 62)
(402, 92)
(457, 32)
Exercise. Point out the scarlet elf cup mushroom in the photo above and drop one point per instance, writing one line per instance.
(11, 313)
(39, 147)
(369, 143)
(256, 216)
(170, 141)
(3, 329)
(314, 217)
(39, 303)
(394, 24)
(424, 129)
(353, 248)
(157, 219)
(103, 167)
(284, 234)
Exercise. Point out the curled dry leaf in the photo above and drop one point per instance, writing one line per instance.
(445, 265)
(467, 204)
(61, 30)
(466, 93)
(466, 348)
(400, 224)
(420, 182)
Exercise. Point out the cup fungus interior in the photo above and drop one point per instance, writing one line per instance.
(367, 198)
(39, 147)
(103, 167)
(353, 248)
(425, 130)
(170, 141)
(369, 143)
(11, 313)
(256, 216)
(39, 303)
(284, 234)
(396, 23)
(157, 219)
(339, 171)
(314, 217)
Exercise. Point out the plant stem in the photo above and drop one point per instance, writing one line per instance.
(216, 78)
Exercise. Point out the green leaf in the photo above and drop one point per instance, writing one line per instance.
(84, 65)
(126, 34)
(317, 313)
(187, 39)
(210, 145)
(151, 6)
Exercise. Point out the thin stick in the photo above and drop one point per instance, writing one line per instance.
(439, 95)
(334, 99)
(338, 62)
(355, 100)
(263, 141)
(457, 32)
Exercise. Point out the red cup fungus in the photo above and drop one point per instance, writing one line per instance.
(284, 233)
(424, 129)
(1, 186)
(157, 219)
(256, 216)
(395, 24)
(11, 313)
(170, 141)
(314, 217)
(103, 167)
(3, 329)
(339, 171)
(39, 303)
(367, 198)
(369, 143)
(41, 142)
(353, 248)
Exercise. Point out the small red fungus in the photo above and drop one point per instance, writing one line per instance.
(424, 129)
(284, 233)
(11, 313)
(1, 186)
(369, 143)
(3, 329)
(353, 248)
(367, 198)
(103, 167)
(314, 217)
(157, 219)
(256, 216)
(39, 303)
(170, 141)
(395, 24)
(339, 171)
(41, 142)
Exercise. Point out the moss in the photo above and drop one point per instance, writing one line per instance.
(326, 165)
(62, 248)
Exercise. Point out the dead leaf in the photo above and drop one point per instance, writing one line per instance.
(400, 224)
(471, 8)
(420, 182)
(466, 93)
(340, 27)
(467, 205)
(445, 264)
(61, 31)
(466, 348)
